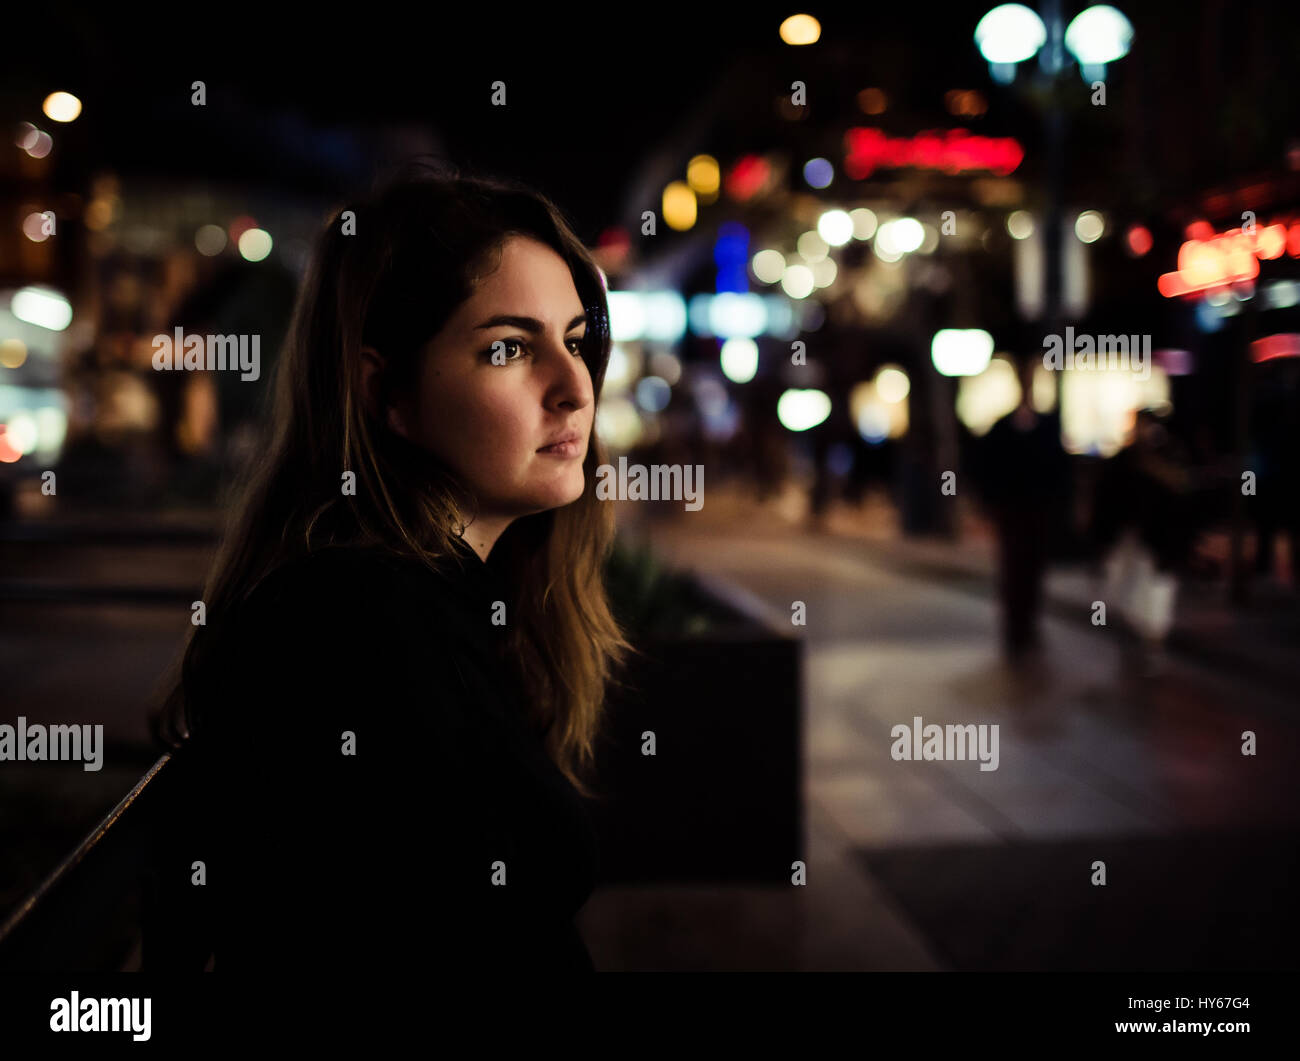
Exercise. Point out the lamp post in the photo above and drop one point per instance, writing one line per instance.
(1013, 33)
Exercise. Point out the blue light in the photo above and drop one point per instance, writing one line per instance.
(731, 255)
(1208, 319)
(732, 244)
(818, 172)
(653, 394)
(733, 278)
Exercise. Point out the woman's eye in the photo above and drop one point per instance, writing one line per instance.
(500, 350)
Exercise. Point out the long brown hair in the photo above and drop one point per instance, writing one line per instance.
(421, 241)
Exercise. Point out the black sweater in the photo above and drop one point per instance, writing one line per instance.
(448, 839)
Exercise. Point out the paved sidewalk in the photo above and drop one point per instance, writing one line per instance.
(1261, 638)
(940, 865)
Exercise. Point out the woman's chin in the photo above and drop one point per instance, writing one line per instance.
(544, 497)
(565, 493)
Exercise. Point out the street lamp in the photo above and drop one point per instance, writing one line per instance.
(1097, 36)
(1009, 34)
(1013, 33)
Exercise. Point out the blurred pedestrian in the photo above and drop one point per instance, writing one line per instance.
(1023, 475)
(1144, 525)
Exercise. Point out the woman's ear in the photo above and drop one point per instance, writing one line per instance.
(372, 372)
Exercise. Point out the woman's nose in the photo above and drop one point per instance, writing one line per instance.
(570, 375)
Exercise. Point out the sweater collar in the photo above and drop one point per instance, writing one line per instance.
(475, 583)
(478, 584)
(476, 571)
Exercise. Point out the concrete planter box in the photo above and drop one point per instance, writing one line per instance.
(721, 800)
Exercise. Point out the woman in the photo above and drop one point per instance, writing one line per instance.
(1144, 526)
(399, 683)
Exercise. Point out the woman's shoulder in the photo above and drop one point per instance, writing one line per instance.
(336, 568)
(318, 605)
(334, 584)
(336, 627)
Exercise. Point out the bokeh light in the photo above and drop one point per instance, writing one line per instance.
(255, 244)
(739, 359)
(800, 29)
(61, 107)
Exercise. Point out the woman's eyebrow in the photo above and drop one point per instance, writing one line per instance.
(528, 324)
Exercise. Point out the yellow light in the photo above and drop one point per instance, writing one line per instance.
(704, 175)
(1043, 391)
(1020, 224)
(811, 246)
(61, 107)
(892, 384)
(801, 29)
(13, 352)
(873, 101)
(679, 206)
(21, 432)
(1098, 407)
(798, 281)
(255, 244)
(824, 272)
(768, 266)
(1089, 226)
(876, 417)
(864, 223)
(624, 367)
(99, 214)
(984, 399)
(619, 424)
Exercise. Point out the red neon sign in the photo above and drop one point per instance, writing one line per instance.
(1230, 258)
(955, 151)
(1271, 346)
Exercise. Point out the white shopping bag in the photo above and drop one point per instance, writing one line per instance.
(1143, 594)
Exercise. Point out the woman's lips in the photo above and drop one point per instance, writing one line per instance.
(562, 449)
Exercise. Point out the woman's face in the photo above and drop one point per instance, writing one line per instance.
(489, 418)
